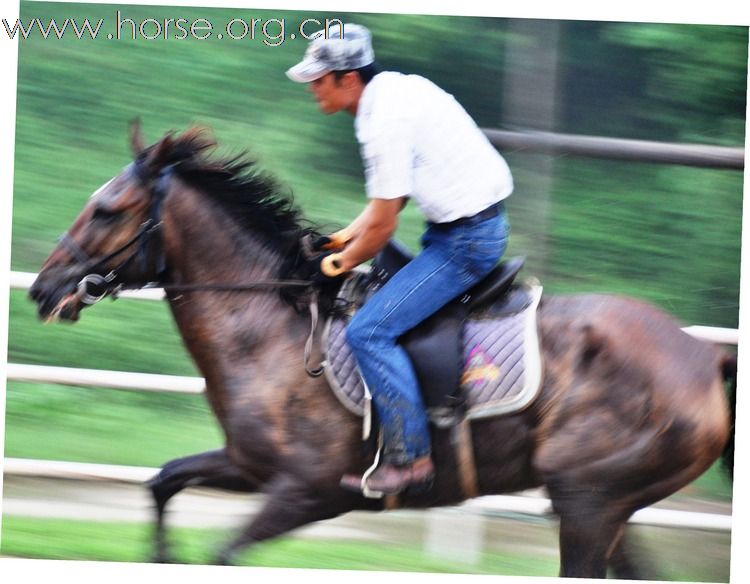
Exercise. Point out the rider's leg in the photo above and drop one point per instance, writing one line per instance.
(453, 259)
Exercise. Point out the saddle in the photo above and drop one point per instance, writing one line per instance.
(436, 346)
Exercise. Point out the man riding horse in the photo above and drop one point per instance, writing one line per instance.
(417, 142)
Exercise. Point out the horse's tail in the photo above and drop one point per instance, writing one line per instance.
(729, 372)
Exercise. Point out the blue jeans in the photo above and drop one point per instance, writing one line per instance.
(453, 259)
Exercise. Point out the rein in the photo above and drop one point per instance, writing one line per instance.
(259, 285)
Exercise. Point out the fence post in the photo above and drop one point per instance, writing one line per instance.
(453, 534)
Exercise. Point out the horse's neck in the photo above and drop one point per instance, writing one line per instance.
(203, 245)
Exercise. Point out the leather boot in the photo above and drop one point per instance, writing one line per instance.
(391, 479)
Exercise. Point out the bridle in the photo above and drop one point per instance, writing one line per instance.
(148, 233)
(93, 287)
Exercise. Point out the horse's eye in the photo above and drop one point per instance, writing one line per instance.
(106, 215)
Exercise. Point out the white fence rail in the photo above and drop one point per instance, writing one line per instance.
(526, 505)
(721, 336)
(104, 378)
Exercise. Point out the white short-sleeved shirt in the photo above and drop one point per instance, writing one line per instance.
(416, 140)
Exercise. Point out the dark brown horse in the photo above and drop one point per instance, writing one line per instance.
(631, 409)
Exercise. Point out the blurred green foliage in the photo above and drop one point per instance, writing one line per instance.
(106, 426)
(667, 234)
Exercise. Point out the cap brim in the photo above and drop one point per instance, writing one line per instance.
(306, 71)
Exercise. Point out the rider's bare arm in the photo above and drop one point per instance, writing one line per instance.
(370, 231)
(343, 237)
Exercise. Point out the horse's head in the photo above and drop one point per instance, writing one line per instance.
(114, 241)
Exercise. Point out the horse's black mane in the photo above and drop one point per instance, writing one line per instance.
(254, 199)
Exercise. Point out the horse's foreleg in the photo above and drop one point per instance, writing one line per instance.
(208, 469)
(291, 503)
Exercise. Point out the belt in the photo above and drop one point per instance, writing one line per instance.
(488, 213)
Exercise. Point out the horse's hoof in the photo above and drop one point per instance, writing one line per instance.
(162, 558)
(225, 558)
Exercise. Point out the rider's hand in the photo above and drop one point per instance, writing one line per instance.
(313, 246)
(322, 243)
(334, 241)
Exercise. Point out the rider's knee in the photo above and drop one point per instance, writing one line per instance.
(357, 333)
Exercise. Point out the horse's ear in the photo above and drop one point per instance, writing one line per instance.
(136, 137)
(159, 153)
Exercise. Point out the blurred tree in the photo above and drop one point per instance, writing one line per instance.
(656, 81)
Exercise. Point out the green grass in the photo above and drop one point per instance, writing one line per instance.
(659, 551)
(125, 335)
(712, 484)
(105, 426)
(119, 542)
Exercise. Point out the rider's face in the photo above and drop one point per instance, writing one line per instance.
(332, 95)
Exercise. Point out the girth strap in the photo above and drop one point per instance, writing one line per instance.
(467, 470)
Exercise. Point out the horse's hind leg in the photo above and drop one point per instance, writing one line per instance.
(291, 503)
(208, 469)
(590, 531)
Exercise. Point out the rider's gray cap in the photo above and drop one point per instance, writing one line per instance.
(334, 51)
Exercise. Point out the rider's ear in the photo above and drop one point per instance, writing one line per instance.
(351, 79)
(136, 137)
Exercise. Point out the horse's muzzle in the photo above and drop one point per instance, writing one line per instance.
(56, 296)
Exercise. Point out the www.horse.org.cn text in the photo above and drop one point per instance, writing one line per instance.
(270, 31)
